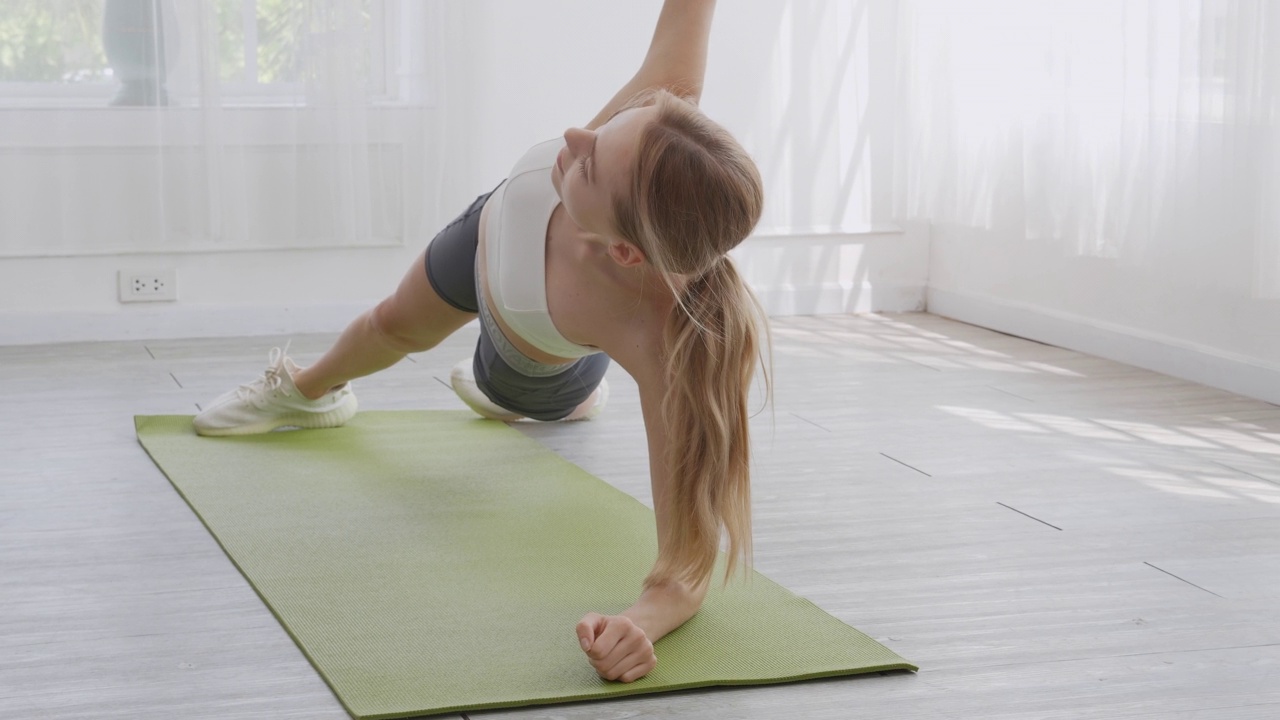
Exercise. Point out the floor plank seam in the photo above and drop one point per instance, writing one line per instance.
(1006, 392)
(1166, 572)
(1033, 517)
(812, 423)
(905, 465)
(1246, 472)
(935, 369)
(1089, 658)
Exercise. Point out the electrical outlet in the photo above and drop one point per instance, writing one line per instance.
(148, 285)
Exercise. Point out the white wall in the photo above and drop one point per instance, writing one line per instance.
(1103, 176)
(1191, 312)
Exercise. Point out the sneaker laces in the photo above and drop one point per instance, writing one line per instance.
(272, 379)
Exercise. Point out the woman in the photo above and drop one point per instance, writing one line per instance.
(607, 244)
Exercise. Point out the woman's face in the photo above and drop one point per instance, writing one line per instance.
(596, 166)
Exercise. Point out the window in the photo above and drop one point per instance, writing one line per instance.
(51, 50)
(93, 53)
(263, 44)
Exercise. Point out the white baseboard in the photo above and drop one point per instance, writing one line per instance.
(173, 321)
(1208, 366)
(1235, 373)
(836, 298)
(178, 321)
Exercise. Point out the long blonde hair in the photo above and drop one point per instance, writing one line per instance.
(695, 195)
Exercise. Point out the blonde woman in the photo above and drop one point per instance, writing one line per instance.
(606, 244)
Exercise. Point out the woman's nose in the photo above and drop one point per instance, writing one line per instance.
(577, 139)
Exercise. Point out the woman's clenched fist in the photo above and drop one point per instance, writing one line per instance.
(617, 648)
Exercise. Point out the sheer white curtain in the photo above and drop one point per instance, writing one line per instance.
(196, 125)
(803, 86)
(1141, 131)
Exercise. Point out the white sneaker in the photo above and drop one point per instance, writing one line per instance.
(592, 406)
(464, 384)
(463, 381)
(273, 401)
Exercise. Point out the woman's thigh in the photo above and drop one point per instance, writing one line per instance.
(437, 294)
(415, 317)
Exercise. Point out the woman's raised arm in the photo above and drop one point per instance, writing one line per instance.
(677, 57)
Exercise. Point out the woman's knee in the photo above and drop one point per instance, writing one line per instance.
(397, 330)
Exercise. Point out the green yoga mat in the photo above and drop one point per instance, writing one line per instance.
(428, 562)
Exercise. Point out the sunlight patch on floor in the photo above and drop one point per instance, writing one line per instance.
(1075, 426)
(1237, 440)
(991, 418)
(1170, 483)
(1156, 433)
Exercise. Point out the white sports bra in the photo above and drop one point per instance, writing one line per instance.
(516, 251)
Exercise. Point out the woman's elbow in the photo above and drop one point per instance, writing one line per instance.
(685, 595)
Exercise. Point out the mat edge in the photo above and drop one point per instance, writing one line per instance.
(609, 695)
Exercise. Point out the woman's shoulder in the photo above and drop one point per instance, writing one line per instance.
(539, 157)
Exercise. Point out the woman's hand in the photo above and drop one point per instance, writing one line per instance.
(617, 648)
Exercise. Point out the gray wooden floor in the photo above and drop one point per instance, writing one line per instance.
(1047, 534)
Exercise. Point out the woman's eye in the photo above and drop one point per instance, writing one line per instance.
(582, 166)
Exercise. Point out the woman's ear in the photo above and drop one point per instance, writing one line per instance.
(625, 254)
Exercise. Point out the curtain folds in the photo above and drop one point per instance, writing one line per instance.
(1130, 132)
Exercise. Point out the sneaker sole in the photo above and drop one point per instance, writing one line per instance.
(596, 409)
(463, 386)
(308, 421)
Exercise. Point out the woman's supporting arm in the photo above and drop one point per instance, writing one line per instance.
(620, 647)
(677, 57)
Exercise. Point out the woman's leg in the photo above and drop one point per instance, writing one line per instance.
(436, 297)
(413, 319)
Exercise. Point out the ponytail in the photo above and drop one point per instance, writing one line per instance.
(694, 196)
(713, 340)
